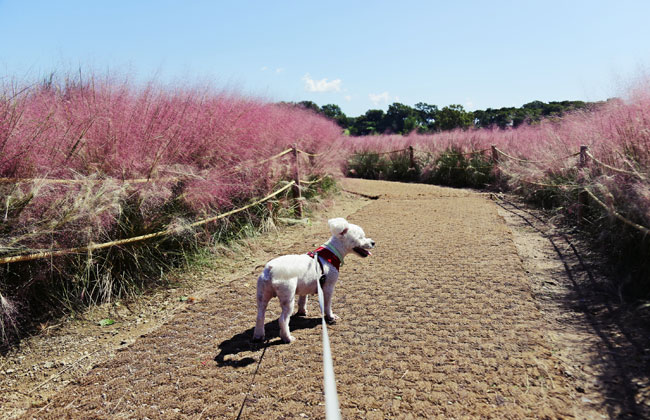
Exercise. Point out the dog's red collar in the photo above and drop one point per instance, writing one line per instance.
(327, 255)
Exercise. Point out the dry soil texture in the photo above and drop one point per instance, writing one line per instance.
(440, 322)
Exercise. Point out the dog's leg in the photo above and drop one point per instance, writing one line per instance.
(264, 294)
(258, 334)
(330, 317)
(302, 306)
(287, 308)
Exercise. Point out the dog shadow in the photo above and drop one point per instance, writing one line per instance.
(243, 341)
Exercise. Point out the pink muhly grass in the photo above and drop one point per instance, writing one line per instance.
(106, 132)
(616, 133)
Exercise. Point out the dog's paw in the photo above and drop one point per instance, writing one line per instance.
(331, 320)
(257, 340)
(301, 313)
(290, 340)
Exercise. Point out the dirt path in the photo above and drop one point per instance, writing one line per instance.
(440, 322)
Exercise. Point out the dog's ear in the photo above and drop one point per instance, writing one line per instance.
(338, 226)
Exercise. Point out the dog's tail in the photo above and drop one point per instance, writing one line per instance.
(263, 278)
(266, 273)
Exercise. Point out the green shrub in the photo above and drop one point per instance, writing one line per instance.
(400, 168)
(368, 165)
(455, 169)
(385, 166)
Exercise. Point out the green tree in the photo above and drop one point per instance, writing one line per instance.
(503, 117)
(400, 118)
(552, 109)
(309, 105)
(334, 112)
(481, 118)
(410, 124)
(454, 116)
(427, 117)
(372, 122)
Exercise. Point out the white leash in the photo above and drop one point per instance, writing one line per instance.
(332, 410)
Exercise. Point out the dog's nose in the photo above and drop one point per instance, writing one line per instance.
(372, 243)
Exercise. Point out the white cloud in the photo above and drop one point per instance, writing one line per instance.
(279, 70)
(348, 98)
(379, 98)
(322, 85)
(264, 68)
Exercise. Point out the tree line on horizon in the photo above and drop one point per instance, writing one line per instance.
(425, 118)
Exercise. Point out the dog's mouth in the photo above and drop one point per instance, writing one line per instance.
(362, 252)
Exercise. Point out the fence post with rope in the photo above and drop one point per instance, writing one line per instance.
(582, 163)
(297, 195)
(495, 154)
(495, 162)
(583, 196)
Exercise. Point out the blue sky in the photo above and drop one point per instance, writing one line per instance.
(357, 54)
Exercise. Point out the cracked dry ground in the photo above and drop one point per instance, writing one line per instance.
(439, 322)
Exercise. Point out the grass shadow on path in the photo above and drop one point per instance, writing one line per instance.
(242, 342)
(621, 352)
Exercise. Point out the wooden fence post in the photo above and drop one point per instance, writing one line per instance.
(297, 195)
(269, 208)
(583, 196)
(412, 158)
(583, 157)
(495, 165)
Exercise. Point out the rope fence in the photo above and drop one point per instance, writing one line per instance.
(611, 168)
(539, 184)
(165, 232)
(309, 154)
(613, 212)
(316, 181)
(295, 183)
(516, 159)
(501, 152)
(282, 153)
(584, 192)
(584, 157)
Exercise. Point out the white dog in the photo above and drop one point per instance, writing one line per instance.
(291, 275)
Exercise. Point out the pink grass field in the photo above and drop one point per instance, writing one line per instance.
(617, 133)
(109, 134)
